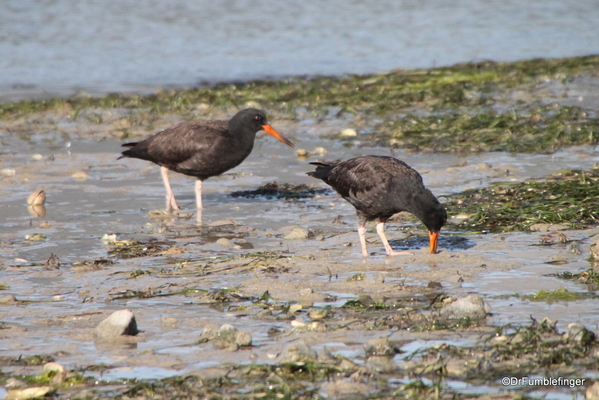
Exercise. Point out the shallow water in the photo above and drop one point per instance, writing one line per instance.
(65, 46)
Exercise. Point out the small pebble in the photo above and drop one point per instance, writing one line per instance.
(298, 352)
(225, 242)
(379, 347)
(349, 133)
(79, 175)
(8, 172)
(298, 234)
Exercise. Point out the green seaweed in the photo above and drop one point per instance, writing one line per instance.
(553, 296)
(567, 198)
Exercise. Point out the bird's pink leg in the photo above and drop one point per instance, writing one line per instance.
(362, 235)
(380, 229)
(199, 200)
(171, 203)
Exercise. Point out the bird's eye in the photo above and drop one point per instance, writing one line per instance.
(258, 118)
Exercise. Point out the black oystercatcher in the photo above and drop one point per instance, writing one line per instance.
(378, 187)
(202, 149)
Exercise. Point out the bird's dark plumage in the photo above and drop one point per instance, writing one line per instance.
(202, 148)
(378, 187)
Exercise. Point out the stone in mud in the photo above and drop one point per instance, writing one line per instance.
(471, 306)
(578, 334)
(60, 373)
(381, 364)
(225, 242)
(227, 336)
(119, 323)
(243, 339)
(349, 132)
(298, 234)
(8, 298)
(298, 352)
(379, 347)
(456, 368)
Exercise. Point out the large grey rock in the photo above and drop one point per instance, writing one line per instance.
(119, 323)
(471, 306)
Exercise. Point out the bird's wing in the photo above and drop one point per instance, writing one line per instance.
(364, 179)
(181, 142)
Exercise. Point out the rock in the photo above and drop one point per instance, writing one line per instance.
(294, 308)
(228, 333)
(381, 364)
(298, 234)
(592, 392)
(298, 352)
(471, 306)
(349, 133)
(456, 367)
(29, 393)
(8, 172)
(578, 334)
(379, 347)
(119, 323)
(227, 336)
(484, 167)
(319, 151)
(225, 242)
(243, 339)
(53, 261)
(8, 298)
(59, 372)
(37, 198)
(306, 291)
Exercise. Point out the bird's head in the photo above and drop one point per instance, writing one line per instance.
(434, 222)
(256, 121)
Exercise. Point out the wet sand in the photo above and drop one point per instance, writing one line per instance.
(90, 194)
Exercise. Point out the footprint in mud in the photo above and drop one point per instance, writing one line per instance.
(445, 242)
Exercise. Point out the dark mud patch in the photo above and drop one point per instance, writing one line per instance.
(274, 190)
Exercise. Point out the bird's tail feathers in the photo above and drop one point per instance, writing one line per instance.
(322, 170)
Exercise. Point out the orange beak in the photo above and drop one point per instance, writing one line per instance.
(433, 237)
(272, 131)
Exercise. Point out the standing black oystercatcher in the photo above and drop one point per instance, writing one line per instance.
(378, 187)
(202, 149)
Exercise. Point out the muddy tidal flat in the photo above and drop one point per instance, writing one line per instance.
(271, 297)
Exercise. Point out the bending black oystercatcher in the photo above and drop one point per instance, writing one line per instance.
(202, 149)
(378, 187)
